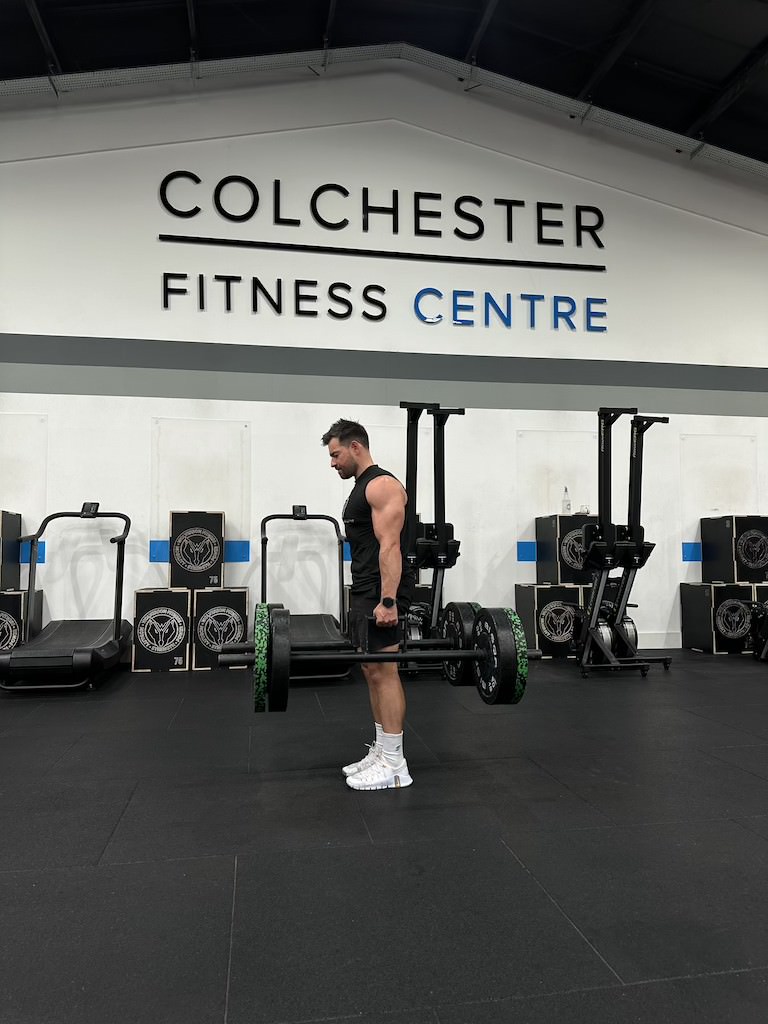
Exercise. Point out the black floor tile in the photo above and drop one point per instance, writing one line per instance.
(637, 786)
(339, 932)
(235, 815)
(485, 799)
(460, 735)
(739, 998)
(749, 718)
(134, 943)
(148, 754)
(752, 758)
(282, 742)
(73, 718)
(660, 900)
(46, 823)
(25, 755)
(214, 710)
(14, 710)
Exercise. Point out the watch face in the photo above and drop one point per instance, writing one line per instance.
(388, 602)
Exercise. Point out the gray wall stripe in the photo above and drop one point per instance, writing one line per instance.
(64, 365)
(345, 391)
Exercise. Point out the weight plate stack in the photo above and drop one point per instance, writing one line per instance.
(456, 621)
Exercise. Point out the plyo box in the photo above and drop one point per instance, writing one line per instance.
(560, 549)
(161, 630)
(220, 617)
(734, 549)
(13, 615)
(716, 617)
(548, 616)
(197, 550)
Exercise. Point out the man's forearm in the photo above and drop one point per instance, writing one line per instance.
(391, 569)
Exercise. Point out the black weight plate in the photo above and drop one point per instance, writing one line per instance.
(261, 652)
(456, 621)
(279, 660)
(501, 673)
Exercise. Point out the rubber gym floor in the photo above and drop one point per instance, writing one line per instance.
(597, 853)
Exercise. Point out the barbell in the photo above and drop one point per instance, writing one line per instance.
(484, 646)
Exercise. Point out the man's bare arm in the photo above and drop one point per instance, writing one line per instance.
(387, 499)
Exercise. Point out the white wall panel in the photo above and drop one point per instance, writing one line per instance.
(24, 466)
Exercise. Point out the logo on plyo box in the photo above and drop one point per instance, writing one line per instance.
(219, 626)
(733, 619)
(556, 622)
(572, 549)
(752, 549)
(9, 632)
(161, 630)
(196, 549)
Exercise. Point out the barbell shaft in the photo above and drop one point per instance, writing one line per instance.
(246, 657)
(366, 657)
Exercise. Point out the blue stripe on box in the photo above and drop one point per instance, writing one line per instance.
(159, 551)
(347, 552)
(234, 551)
(526, 551)
(25, 549)
(691, 551)
(237, 551)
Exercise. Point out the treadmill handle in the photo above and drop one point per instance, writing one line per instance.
(78, 515)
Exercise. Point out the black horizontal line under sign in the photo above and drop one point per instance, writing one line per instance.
(422, 257)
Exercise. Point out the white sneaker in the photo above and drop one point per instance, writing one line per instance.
(360, 766)
(381, 775)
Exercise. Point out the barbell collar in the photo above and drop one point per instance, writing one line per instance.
(238, 660)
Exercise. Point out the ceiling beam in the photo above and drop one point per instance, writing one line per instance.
(632, 26)
(54, 65)
(194, 49)
(752, 66)
(485, 20)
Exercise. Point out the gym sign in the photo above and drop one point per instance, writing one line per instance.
(542, 229)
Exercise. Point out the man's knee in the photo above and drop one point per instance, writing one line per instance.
(381, 672)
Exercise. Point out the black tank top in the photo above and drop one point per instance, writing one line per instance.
(358, 526)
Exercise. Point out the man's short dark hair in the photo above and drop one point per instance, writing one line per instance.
(347, 431)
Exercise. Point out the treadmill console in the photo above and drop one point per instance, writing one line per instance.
(299, 512)
(89, 510)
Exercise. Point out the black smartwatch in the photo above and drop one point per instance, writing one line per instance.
(388, 602)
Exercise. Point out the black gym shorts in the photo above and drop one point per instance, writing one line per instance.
(365, 635)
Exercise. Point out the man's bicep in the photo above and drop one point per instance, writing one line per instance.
(387, 511)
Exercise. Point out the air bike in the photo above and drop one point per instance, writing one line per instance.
(485, 647)
(69, 654)
(605, 636)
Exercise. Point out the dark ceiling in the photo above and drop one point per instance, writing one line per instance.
(694, 67)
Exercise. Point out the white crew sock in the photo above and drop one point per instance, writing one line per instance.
(392, 748)
(377, 738)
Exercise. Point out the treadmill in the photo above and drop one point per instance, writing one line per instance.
(69, 654)
(321, 633)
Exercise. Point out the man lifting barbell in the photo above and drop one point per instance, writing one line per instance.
(382, 590)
